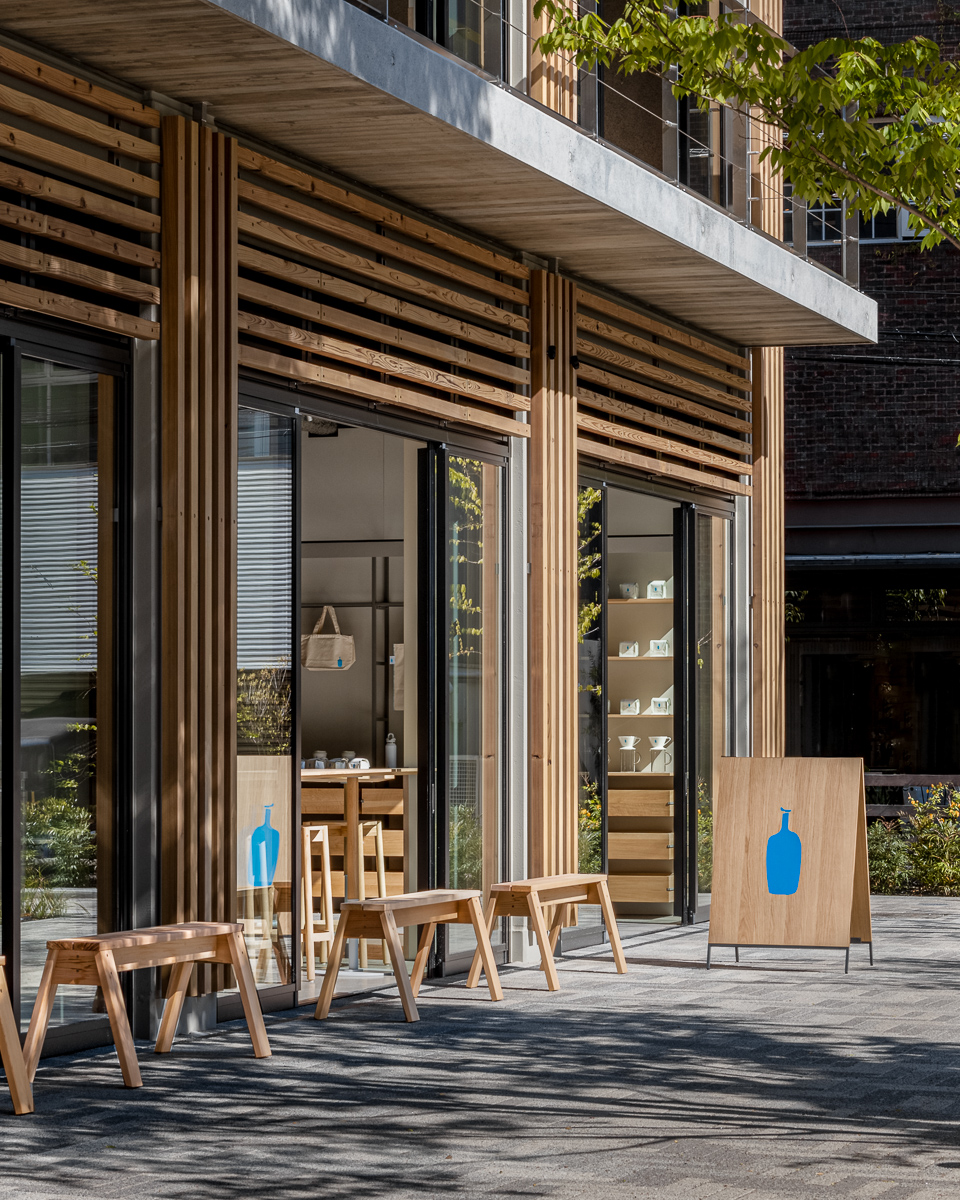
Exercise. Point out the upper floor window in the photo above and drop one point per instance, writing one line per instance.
(825, 224)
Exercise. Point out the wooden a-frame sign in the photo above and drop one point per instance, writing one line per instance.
(790, 854)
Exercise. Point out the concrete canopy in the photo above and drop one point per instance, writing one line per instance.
(334, 86)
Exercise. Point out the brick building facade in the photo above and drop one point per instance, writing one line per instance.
(873, 482)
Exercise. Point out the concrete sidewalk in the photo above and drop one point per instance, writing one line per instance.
(777, 1078)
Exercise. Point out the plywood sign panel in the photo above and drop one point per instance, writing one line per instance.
(790, 853)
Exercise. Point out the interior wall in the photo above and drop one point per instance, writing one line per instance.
(352, 494)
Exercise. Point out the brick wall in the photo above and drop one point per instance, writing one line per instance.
(881, 420)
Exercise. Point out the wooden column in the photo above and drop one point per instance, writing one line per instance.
(768, 550)
(198, 537)
(553, 77)
(553, 580)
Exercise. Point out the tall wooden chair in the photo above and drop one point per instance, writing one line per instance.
(316, 933)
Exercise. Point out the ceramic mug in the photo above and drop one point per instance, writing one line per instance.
(359, 764)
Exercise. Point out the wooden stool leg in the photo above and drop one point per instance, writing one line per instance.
(42, 1007)
(484, 949)
(235, 951)
(117, 1012)
(177, 990)
(473, 977)
(556, 925)
(333, 967)
(391, 936)
(362, 895)
(11, 1055)
(610, 920)
(306, 888)
(381, 878)
(546, 953)
(423, 953)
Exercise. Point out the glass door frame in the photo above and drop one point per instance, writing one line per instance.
(19, 341)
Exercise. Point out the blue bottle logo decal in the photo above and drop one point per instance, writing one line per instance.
(784, 852)
(264, 852)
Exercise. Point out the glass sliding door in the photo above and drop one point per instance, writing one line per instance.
(66, 680)
(266, 749)
(471, 650)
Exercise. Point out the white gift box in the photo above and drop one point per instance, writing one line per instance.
(660, 649)
(657, 589)
(661, 705)
(629, 708)
(629, 649)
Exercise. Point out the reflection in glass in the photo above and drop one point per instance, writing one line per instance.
(61, 568)
(264, 734)
(590, 685)
(473, 678)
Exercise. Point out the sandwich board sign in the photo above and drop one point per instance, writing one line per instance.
(790, 854)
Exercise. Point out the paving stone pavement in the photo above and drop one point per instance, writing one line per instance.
(777, 1079)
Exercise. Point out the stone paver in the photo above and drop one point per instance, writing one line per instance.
(776, 1079)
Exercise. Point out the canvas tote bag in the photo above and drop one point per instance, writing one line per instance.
(327, 651)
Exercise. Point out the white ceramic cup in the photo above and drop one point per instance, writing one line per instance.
(660, 742)
(628, 742)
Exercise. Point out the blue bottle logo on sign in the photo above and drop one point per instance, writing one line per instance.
(784, 852)
(264, 852)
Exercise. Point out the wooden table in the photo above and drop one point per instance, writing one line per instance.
(528, 897)
(10, 1053)
(351, 780)
(385, 917)
(97, 961)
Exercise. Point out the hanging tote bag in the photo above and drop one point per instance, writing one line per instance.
(327, 651)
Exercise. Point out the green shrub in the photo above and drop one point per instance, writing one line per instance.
(889, 854)
(466, 847)
(919, 855)
(704, 848)
(589, 829)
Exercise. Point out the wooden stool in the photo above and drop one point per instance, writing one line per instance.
(316, 932)
(366, 827)
(10, 1053)
(98, 960)
(384, 917)
(527, 898)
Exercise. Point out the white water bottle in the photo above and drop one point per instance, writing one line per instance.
(390, 751)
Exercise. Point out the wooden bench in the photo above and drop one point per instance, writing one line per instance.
(97, 961)
(529, 897)
(10, 1053)
(384, 917)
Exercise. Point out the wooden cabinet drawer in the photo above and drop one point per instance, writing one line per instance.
(640, 845)
(630, 802)
(641, 889)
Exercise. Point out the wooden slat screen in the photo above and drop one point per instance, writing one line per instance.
(346, 293)
(661, 399)
(78, 167)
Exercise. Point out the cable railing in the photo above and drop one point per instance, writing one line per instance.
(712, 153)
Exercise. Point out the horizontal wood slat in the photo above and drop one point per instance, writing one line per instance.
(311, 248)
(376, 360)
(19, 179)
(627, 362)
(64, 84)
(329, 193)
(328, 314)
(354, 293)
(658, 466)
(294, 210)
(588, 300)
(371, 389)
(42, 112)
(15, 141)
(34, 262)
(664, 399)
(658, 350)
(78, 311)
(634, 412)
(79, 236)
(663, 445)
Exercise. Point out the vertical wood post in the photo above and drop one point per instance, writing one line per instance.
(198, 533)
(553, 580)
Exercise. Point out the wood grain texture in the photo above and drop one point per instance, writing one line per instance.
(354, 293)
(641, 889)
(311, 185)
(120, 212)
(79, 311)
(659, 466)
(79, 237)
(640, 391)
(63, 120)
(553, 580)
(629, 802)
(628, 362)
(652, 441)
(314, 218)
(62, 83)
(656, 420)
(357, 264)
(825, 799)
(34, 262)
(17, 142)
(371, 389)
(341, 350)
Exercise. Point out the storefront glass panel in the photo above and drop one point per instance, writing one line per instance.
(265, 799)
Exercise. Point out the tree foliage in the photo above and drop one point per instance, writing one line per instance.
(877, 126)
